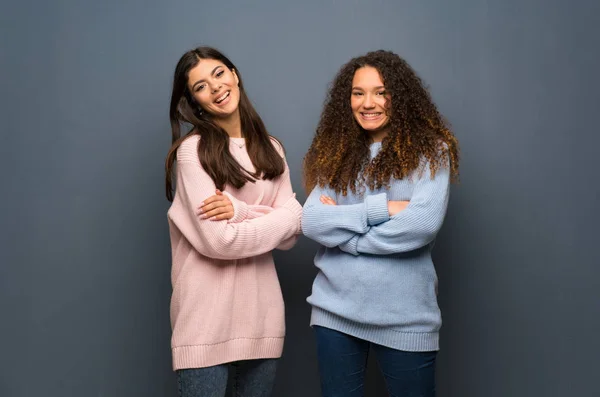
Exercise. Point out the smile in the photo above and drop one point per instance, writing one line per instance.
(371, 116)
(222, 98)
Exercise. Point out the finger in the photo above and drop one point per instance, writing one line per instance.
(212, 206)
(212, 199)
(226, 199)
(206, 202)
(216, 204)
(221, 213)
(215, 212)
(227, 215)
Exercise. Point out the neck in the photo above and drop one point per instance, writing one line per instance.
(232, 124)
(378, 135)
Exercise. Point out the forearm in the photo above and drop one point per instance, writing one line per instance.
(223, 239)
(414, 227)
(243, 211)
(332, 225)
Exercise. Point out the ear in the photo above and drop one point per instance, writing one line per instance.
(237, 80)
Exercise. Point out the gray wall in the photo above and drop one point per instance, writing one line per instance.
(85, 260)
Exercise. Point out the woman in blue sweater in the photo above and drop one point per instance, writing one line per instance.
(379, 171)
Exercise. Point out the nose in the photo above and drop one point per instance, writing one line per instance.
(368, 102)
(215, 86)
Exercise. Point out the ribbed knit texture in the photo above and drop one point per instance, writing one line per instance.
(376, 279)
(227, 304)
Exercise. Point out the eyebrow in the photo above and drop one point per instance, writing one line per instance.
(375, 88)
(202, 80)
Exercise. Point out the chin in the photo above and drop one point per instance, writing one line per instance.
(226, 112)
(371, 128)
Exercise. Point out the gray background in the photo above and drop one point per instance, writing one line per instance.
(85, 260)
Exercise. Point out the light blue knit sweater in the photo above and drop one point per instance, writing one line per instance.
(376, 279)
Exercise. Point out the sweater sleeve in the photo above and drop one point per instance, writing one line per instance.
(414, 227)
(223, 239)
(256, 211)
(243, 211)
(332, 225)
(284, 192)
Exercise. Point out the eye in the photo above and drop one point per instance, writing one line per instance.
(356, 93)
(199, 88)
(220, 73)
(381, 93)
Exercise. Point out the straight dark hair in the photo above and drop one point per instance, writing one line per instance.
(213, 148)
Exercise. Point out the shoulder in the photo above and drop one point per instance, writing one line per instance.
(441, 150)
(443, 154)
(278, 146)
(188, 150)
(438, 162)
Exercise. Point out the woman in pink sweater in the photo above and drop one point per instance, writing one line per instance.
(232, 204)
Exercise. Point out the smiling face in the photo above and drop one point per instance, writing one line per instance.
(370, 102)
(215, 88)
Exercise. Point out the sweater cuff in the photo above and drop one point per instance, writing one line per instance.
(294, 206)
(377, 209)
(240, 209)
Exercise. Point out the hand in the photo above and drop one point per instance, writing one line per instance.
(396, 206)
(327, 200)
(216, 208)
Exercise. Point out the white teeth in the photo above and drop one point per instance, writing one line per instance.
(222, 97)
(371, 114)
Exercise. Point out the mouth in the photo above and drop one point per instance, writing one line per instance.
(370, 116)
(223, 99)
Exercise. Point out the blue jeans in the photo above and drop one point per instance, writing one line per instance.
(251, 378)
(343, 361)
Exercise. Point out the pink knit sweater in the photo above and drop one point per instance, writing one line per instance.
(227, 304)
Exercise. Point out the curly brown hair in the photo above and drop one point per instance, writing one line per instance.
(339, 154)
